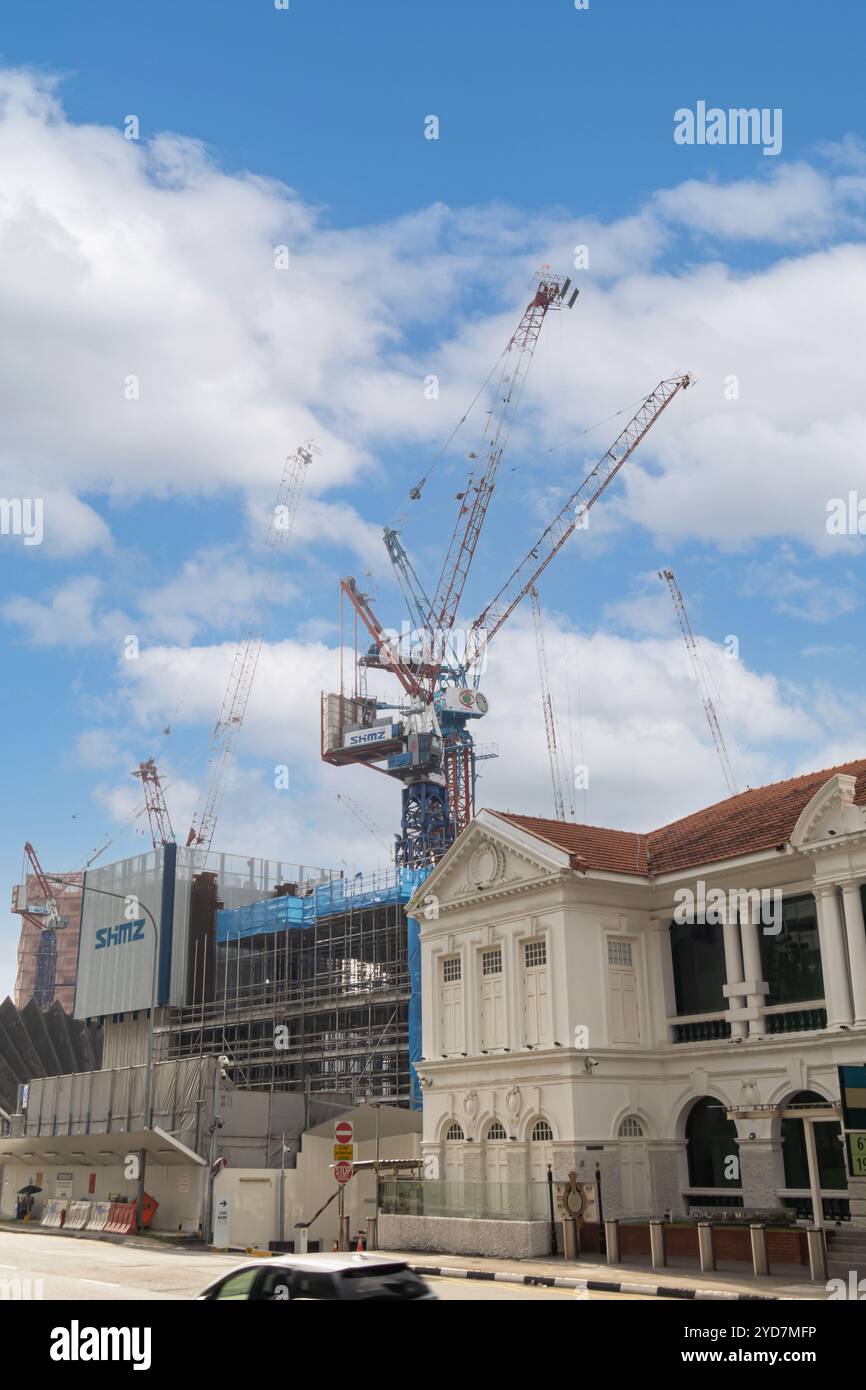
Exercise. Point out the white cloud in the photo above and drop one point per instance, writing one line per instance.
(68, 618)
(122, 260)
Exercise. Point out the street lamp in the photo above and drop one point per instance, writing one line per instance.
(148, 1075)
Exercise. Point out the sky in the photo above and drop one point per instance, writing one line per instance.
(224, 229)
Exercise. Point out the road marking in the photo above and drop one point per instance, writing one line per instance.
(103, 1283)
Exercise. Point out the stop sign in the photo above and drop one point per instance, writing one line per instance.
(343, 1132)
(342, 1171)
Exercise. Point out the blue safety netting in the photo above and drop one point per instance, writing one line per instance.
(326, 900)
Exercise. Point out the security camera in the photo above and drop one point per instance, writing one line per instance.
(589, 1063)
(224, 1062)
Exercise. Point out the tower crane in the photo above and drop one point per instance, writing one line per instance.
(547, 707)
(431, 736)
(46, 916)
(246, 659)
(154, 799)
(702, 680)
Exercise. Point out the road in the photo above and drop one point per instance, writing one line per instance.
(61, 1267)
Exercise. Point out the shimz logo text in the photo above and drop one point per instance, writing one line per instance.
(121, 934)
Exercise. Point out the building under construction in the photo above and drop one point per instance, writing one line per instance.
(315, 989)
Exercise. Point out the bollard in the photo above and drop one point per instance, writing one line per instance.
(301, 1241)
(569, 1238)
(705, 1245)
(372, 1233)
(760, 1263)
(657, 1244)
(611, 1233)
(343, 1243)
(817, 1243)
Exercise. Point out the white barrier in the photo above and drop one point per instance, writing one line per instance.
(99, 1216)
(77, 1216)
(55, 1210)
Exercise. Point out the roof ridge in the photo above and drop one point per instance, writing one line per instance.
(764, 787)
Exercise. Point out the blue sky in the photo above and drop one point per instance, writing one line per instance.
(409, 256)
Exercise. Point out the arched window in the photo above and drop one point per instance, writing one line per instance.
(454, 1132)
(541, 1132)
(496, 1131)
(831, 1163)
(631, 1128)
(711, 1140)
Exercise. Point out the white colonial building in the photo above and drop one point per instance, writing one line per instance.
(587, 1002)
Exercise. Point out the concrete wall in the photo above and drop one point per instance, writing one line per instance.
(517, 1240)
(177, 1188)
(254, 1194)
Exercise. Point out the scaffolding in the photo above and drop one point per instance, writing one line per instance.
(308, 992)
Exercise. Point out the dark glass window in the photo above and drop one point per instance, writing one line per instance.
(698, 954)
(831, 1162)
(791, 960)
(711, 1141)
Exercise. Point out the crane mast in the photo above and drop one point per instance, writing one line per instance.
(702, 680)
(246, 659)
(547, 707)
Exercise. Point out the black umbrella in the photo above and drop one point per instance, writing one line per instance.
(28, 1190)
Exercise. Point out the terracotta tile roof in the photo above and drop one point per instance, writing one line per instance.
(756, 820)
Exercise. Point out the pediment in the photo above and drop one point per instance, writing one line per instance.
(830, 816)
(486, 862)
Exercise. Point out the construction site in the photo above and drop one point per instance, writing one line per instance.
(302, 979)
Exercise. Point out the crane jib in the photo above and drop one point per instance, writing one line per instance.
(569, 517)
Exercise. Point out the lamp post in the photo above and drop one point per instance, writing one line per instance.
(148, 1075)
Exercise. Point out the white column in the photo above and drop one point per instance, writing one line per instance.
(814, 1174)
(734, 990)
(753, 984)
(856, 932)
(836, 994)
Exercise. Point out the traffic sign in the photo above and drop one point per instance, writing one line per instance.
(343, 1172)
(856, 1154)
(344, 1152)
(343, 1132)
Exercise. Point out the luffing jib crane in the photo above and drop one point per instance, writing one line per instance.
(46, 916)
(702, 680)
(154, 799)
(426, 743)
(547, 707)
(246, 659)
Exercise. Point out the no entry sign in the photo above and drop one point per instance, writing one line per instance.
(343, 1132)
(342, 1171)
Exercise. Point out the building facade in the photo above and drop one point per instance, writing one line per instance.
(650, 1005)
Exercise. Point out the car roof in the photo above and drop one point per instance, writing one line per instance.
(327, 1262)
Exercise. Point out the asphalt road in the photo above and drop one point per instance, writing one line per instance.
(61, 1267)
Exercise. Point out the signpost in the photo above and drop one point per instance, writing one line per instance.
(221, 1222)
